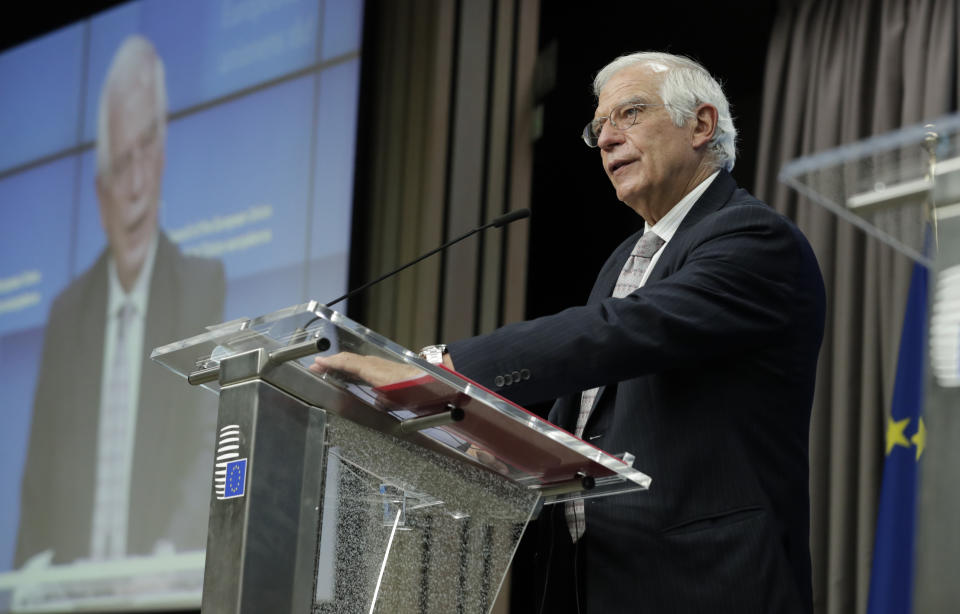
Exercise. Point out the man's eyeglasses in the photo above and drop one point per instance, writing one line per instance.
(622, 117)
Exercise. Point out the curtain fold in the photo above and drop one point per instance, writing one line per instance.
(450, 90)
(837, 72)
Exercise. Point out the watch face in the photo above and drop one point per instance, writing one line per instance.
(433, 353)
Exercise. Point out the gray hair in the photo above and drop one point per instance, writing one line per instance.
(131, 59)
(685, 85)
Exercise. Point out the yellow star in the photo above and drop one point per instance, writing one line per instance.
(919, 439)
(895, 436)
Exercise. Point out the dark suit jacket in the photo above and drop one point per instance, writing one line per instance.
(174, 440)
(708, 375)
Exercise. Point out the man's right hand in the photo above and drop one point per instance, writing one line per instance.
(373, 370)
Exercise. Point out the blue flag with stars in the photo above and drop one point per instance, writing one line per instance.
(891, 579)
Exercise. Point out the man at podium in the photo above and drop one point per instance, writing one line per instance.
(696, 352)
(119, 451)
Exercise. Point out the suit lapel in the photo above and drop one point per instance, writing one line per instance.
(603, 288)
(84, 395)
(93, 324)
(160, 323)
(715, 196)
(607, 279)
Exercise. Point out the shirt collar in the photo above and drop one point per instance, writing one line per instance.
(140, 293)
(668, 224)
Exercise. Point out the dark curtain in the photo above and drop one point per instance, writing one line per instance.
(837, 72)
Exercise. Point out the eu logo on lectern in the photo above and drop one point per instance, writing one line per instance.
(236, 479)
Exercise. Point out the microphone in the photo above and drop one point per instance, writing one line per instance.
(497, 222)
(299, 335)
(506, 218)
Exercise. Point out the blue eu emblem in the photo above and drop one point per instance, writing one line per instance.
(236, 479)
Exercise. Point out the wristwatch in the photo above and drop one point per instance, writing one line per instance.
(433, 354)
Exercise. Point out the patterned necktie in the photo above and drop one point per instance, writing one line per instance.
(112, 492)
(629, 280)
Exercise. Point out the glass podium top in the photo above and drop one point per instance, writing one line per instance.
(488, 429)
(893, 186)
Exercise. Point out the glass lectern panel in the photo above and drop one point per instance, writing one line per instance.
(406, 530)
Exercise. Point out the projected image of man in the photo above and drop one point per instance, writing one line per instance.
(119, 456)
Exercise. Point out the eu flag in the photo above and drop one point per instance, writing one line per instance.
(891, 579)
(236, 479)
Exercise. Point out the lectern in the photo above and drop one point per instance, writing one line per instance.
(334, 495)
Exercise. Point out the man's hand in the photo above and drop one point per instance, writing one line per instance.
(380, 372)
(373, 370)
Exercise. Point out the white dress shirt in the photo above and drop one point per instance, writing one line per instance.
(668, 224)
